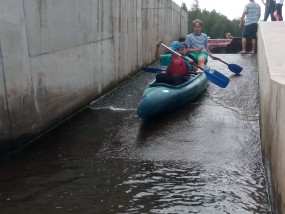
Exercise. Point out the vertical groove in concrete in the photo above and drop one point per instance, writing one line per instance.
(5, 125)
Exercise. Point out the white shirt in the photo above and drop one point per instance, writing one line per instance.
(252, 12)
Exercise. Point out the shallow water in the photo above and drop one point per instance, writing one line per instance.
(202, 158)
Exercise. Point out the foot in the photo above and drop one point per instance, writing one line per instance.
(242, 52)
(251, 52)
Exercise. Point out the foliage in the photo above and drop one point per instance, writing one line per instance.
(215, 25)
(184, 7)
(195, 5)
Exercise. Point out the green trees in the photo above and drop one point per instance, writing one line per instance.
(184, 7)
(215, 25)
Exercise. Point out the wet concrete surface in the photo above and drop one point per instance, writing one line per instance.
(202, 158)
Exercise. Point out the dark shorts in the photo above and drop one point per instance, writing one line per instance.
(195, 56)
(250, 31)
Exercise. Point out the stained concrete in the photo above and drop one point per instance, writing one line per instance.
(271, 38)
(58, 55)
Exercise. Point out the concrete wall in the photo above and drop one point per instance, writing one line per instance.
(271, 63)
(58, 55)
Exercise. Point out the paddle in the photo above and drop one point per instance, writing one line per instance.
(214, 76)
(232, 67)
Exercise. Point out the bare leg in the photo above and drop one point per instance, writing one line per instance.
(201, 61)
(253, 44)
(243, 43)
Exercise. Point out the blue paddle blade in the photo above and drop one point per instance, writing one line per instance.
(152, 70)
(235, 68)
(217, 78)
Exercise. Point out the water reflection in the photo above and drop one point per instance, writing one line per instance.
(122, 186)
(189, 188)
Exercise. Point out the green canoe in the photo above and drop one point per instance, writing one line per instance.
(159, 98)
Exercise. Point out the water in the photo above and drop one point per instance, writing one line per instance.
(202, 158)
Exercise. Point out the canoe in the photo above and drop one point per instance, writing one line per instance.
(159, 98)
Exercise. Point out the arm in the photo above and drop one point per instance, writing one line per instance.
(157, 54)
(242, 20)
(208, 50)
(263, 2)
(194, 68)
(207, 47)
(210, 54)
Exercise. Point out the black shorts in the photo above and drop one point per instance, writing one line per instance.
(250, 31)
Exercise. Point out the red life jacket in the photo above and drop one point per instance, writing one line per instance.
(177, 67)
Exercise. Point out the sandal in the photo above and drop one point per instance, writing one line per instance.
(242, 52)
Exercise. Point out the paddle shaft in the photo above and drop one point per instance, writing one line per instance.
(181, 56)
(232, 67)
(214, 76)
(223, 61)
(217, 58)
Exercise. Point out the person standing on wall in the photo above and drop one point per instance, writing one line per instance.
(269, 9)
(249, 21)
(278, 10)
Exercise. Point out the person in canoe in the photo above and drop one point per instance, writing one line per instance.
(178, 70)
(197, 43)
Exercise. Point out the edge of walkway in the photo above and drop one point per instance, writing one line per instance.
(271, 65)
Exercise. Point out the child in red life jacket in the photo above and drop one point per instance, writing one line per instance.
(178, 69)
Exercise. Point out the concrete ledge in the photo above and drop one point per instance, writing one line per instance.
(271, 61)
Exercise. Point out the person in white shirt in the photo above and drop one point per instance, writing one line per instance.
(249, 19)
